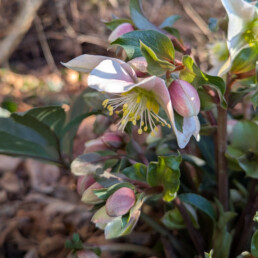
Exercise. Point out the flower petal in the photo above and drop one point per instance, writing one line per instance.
(86, 63)
(159, 88)
(111, 76)
(120, 30)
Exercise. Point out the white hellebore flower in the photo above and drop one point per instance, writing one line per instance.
(242, 27)
(138, 101)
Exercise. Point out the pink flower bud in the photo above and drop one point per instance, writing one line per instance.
(120, 202)
(86, 254)
(94, 145)
(185, 99)
(83, 182)
(89, 197)
(139, 64)
(120, 30)
(113, 140)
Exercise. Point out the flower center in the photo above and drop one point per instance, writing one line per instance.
(137, 106)
(251, 33)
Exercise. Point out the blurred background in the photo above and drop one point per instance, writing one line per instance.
(39, 206)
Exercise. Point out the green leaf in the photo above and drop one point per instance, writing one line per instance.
(165, 172)
(160, 44)
(254, 244)
(156, 66)
(137, 171)
(140, 21)
(16, 146)
(197, 78)
(200, 203)
(169, 21)
(254, 98)
(53, 117)
(116, 22)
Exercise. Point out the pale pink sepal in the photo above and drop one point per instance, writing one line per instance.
(120, 30)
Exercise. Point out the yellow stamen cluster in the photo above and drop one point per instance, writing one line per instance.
(137, 106)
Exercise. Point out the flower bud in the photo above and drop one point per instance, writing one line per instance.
(84, 182)
(89, 197)
(185, 99)
(94, 145)
(112, 140)
(139, 64)
(86, 254)
(120, 30)
(120, 202)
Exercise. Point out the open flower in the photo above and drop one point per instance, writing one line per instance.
(138, 101)
(242, 27)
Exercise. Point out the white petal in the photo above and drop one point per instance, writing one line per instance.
(86, 63)
(191, 126)
(110, 76)
(240, 13)
(159, 88)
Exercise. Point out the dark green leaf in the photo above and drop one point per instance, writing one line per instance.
(156, 66)
(138, 17)
(254, 244)
(169, 21)
(165, 172)
(197, 78)
(116, 22)
(254, 98)
(137, 171)
(199, 202)
(158, 42)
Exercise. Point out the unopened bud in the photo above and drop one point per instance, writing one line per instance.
(113, 140)
(139, 64)
(120, 30)
(86, 254)
(94, 145)
(185, 99)
(89, 197)
(120, 202)
(84, 182)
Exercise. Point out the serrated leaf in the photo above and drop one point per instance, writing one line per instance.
(116, 22)
(197, 78)
(138, 17)
(200, 203)
(169, 21)
(165, 172)
(158, 42)
(156, 66)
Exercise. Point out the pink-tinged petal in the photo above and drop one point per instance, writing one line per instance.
(86, 254)
(101, 218)
(139, 64)
(84, 182)
(86, 63)
(120, 30)
(111, 77)
(185, 98)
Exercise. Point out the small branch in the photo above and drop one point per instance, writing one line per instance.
(45, 47)
(116, 247)
(18, 28)
(196, 237)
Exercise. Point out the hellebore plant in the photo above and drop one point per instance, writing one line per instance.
(199, 194)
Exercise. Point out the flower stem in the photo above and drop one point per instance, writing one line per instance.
(222, 176)
(196, 237)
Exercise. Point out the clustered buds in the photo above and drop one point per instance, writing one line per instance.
(185, 98)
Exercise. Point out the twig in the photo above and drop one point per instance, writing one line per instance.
(44, 44)
(18, 28)
(128, 247)
(197, 19)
